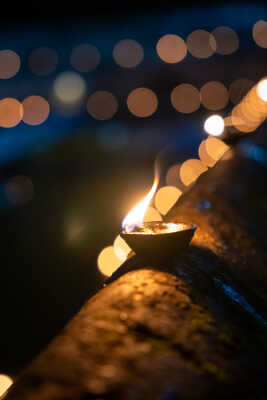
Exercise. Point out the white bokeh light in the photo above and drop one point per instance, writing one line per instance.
(69, 88)
(214, 125)
(262, 90)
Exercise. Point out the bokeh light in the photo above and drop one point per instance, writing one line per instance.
(239, 88)
(173, 176)
(142, 102)
(102, 105)
(190, 170)
(113, 136)
(201, 44)
(262, 89)
(214, 95)
(69, 88)
(227, 41)
(43, 61)
(107, 261)
(244, 122)
(171, 49)
(9, 64)
(5, 383)
(152, 214)
(216, 148)
(259, 33)
(121, 248)
(128, 53)
(19, 190)
(252, 110)
(35, 110)
(214, 125)
(85, 57)
(11, 112)
(166, 197)
(204, 156)
(185, 98)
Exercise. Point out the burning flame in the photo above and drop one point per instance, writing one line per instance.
(137, 213)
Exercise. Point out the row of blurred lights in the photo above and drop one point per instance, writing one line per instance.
(128, 53)
(33, 111)
(69, 91)
(246, 116)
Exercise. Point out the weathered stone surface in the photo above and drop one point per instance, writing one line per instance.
(228, 204)
(144, 334)
(195, 330)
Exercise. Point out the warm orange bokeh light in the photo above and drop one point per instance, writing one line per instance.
(215, 148)
(214, 95)
(121, 248)
(252, 110)
(102, 105)
(5, 383)
(185, 98)
(43, 61)
(190, 170)
(85, 57)
(9, 64)
(128, 53)
(11, 112)
(166, 197)
(259, 33)
(107, 261)
(201, 44)
(204, 156)
(35, 110)
(227, 41)
(142, 102)
(171, 49)
(242, 121)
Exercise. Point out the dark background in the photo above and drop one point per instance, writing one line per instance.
(46, 275)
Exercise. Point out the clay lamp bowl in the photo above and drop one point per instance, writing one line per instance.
(155, 242)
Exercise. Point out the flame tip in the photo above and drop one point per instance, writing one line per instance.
(137, 213)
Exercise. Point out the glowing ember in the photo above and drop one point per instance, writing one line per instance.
(136, 216)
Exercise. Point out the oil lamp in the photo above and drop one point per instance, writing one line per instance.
(154, 241)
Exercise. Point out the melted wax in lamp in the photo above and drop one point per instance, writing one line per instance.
(153, 228)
